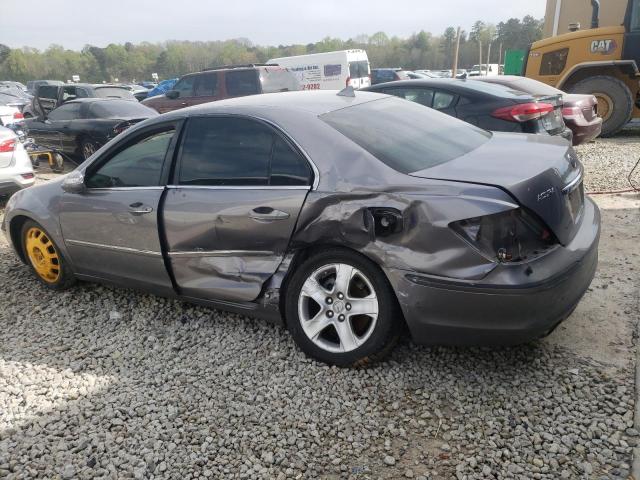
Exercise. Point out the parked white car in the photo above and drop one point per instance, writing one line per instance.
(16, 171)
(486, 70)
(329, 70)
(9, 114)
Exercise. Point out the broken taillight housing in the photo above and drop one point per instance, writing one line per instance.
(511, 236)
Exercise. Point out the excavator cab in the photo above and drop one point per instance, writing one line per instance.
(601, 61)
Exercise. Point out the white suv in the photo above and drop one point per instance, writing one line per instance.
(16, 171)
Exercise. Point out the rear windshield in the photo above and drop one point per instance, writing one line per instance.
(113, 92)
(404, 135)
(277, 79)
(533, 86)
(120, 109)
(491, 89)
(359, 69)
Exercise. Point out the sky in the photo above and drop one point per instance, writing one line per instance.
(75, 23)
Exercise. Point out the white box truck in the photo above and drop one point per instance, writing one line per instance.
(329, 70)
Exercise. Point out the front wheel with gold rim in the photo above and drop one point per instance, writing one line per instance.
(44, 257)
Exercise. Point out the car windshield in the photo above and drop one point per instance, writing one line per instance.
(113, 92)
(120, 109)
(404, 135)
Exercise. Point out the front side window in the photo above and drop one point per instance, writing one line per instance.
(138, 165)
(241, 82)
(238, 152)
(68, 111)
(185, 86)
(206, 85)
(405, 136)
(553, 63)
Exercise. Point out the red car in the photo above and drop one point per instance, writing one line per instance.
(580, 112)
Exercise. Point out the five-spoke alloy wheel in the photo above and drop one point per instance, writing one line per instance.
(340, 308)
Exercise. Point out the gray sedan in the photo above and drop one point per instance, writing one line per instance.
(345, 217)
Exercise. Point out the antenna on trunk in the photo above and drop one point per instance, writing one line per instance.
(347, 92)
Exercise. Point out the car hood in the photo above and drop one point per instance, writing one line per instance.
(541, 172)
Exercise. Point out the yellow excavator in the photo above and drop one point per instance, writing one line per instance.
(602, 61)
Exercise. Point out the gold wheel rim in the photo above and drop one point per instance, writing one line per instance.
(43, 255)
(605, 105)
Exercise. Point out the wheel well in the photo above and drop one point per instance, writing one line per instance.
(589, 72)
(303, 254)
(15, 228)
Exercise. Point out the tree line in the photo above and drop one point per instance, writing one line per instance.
(485, 43)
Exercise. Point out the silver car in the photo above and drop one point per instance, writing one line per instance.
(347, 217)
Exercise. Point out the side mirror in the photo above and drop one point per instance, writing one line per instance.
(74, 182)
(172, 94)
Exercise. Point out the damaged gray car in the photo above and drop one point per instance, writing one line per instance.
(349, 218)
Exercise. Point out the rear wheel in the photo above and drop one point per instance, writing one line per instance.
(615, 101)
(341, 309)
(45, 258)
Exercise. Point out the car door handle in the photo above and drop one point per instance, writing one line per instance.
(268, 214)
(138, 208)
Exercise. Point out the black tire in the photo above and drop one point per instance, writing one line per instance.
(384, 333)
(65, 277)
(620, 95)
(87, 148)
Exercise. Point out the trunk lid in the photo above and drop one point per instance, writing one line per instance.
(588, 104)
(542, 173)
(552, 121)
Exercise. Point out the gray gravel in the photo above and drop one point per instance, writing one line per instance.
(101, 382)
(609, 161)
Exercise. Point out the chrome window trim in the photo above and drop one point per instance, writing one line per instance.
(122, 189)
(240, 187)
(221, 253)
(115, 248)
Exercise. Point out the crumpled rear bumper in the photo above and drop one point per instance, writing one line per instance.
(513, 304)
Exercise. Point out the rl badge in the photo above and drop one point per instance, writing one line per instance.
(603, 46)
(546, 194)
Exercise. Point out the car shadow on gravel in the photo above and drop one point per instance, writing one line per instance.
(97, 380)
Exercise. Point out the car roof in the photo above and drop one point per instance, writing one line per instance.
(95, 99)
(457, 85)
(313, 102)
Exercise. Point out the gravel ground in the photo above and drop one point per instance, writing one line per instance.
(609, 161)
(102, 382)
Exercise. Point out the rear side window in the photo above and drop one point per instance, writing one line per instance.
(423, 96)
(231, 151)
(405, 136)
(241, 82)
(68, 111)
(442, 100)
(553, 63)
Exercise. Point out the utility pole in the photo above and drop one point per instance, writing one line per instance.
(480, 54)
(488, 56)
(454, 71)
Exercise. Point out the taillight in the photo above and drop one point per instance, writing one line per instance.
(8, 145)
(510, 236)
(121, 127)
(18, 116)
(523, 112)
(27, 176)
(572, 112)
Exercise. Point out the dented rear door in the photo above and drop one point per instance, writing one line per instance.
(228, 218)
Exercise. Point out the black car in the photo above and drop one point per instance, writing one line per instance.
(383, 75)
(79, 127)
(48, 97)
(492, 107)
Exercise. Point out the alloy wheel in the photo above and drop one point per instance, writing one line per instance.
(88, 149)
(42, 255)
(338, 307)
